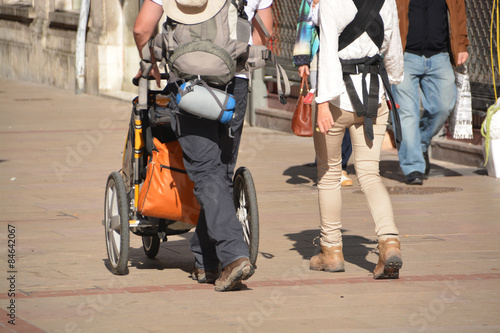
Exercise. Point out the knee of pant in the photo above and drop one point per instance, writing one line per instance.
(443, 104)
(329, 179)
(208, 183)
(367, 177)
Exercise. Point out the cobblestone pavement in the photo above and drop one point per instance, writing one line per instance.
(56, 152)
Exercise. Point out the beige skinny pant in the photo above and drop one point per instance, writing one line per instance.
(366, 162)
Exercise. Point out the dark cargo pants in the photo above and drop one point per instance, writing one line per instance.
(210, 152)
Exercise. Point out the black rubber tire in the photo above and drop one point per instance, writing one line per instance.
(116, 224)
(151, 245)
(245, 202)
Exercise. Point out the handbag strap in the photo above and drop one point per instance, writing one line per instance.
(304, 79)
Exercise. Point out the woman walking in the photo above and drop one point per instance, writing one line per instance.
(354, 74)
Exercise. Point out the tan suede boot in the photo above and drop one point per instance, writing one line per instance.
(389, 259)
(330, 259)
(233, 274)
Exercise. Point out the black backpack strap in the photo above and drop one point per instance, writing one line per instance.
(368, 108)
(394, 110)
(240, 7)
(367, 19)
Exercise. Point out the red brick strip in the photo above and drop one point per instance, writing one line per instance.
(250, 284)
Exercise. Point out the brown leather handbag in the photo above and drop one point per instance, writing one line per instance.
(167, 191)
(301, 121)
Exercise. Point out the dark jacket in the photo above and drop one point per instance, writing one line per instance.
(457, 22)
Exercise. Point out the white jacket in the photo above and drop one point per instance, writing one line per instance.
(334, 16)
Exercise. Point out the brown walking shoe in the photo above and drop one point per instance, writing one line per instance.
(389, 259)
(233, 274)
(330, 259)
(204, 276)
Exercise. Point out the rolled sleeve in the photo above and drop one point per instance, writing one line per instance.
(392, 49)
(330, 83)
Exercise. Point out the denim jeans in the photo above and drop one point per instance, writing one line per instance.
(435, 80)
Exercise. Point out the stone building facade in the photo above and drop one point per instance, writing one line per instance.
(38, 43)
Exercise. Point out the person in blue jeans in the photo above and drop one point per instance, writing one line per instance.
(429, 31)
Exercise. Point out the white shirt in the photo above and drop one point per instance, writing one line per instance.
(330, 83)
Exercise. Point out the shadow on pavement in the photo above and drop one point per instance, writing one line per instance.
(172, 255)
(301, 174)
(390, 169)
(356, 248)
(306, 174)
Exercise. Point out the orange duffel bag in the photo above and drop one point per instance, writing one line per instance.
(167, 191)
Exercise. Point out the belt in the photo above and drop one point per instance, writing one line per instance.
(353, 68)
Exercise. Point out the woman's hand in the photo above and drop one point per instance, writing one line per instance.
(304, 71)
(324, 119)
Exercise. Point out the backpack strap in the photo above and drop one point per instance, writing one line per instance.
(240, 7)
(283, 87)
(262, 25)
(146, 66)
(367, 19)
(369, 107)
(395, 114)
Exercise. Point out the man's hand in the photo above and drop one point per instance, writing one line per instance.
(462, 58)
(304, 71)
(324, 120)
(155, 72)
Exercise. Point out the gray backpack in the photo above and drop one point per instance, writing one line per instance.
(208, 54)
(204, 50)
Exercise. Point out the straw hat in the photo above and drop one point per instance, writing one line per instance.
(192, 11)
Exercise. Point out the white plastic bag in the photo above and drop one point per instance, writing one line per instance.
(491, 140)
(461, 116)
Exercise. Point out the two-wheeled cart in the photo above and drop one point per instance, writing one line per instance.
(121, 215)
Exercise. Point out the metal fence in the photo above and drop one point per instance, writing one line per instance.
(479, 26)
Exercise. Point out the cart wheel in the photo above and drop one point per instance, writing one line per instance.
(151, 245)
(245, 202)
(116, 224)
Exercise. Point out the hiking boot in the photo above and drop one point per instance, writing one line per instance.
(330, 259)
(415, 178)
(204, 276)
(344, 180)
(233, 274)
(389, 259)
(309, 98)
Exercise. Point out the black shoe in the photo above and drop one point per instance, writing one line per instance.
(427, 163)
(414, 178)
